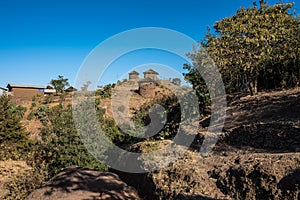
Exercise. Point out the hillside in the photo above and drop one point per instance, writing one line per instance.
(257, 157)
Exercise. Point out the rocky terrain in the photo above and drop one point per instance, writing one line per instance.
(256, 157)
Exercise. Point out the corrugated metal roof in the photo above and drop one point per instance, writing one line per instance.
(24, 86)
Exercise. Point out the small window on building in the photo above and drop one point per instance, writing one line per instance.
(41, 90)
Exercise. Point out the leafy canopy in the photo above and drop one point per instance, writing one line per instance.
(60, 83)
(258, 47)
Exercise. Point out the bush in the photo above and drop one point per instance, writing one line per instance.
(172, 112)
(21, 186)
(61, 146)
(48, 99)
(41, 113)
(106, 91)
(14, 140)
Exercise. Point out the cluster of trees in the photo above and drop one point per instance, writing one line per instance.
(258, 48)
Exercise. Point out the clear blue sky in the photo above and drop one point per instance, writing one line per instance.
(41, 39)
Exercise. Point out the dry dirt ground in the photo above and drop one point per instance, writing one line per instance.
(257, 157)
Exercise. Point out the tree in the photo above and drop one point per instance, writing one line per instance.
(60, 145)
(59, 84)
(106, 91)
(176, 81)
(13, 137)
(255, 47)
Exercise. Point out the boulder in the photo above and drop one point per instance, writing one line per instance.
(76, 183)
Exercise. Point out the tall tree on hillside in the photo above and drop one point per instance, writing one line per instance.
(13, 137)
(59, 84)
(260, 42)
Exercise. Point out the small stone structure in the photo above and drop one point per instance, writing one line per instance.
(134, 75)
(145, 86)
(150, 74)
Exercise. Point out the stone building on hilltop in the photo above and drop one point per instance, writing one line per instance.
(145, 86)
(150, 74)
(134, 75)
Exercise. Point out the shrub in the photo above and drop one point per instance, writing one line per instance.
(48, 99)
(106, 91)
(14, 140)
(22, 185)
(41, 113)
(172, 112)
(61, 146)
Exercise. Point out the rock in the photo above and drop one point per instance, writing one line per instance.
(76, 183)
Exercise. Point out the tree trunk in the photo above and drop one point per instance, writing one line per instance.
(255, 90)
(250, 87)
(253, 84)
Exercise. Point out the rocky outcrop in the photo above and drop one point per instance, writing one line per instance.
(147, 88)
(75, 183)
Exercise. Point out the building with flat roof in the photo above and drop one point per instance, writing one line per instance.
(20, 91)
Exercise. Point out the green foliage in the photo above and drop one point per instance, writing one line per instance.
(257, 48)
(62, 97)
(41, 113)
(13, 138)
(60, 83)
(200, 87)
(61, 146)
(176, 81)
(37, 98)
(172, 112)
(114, 133)
(18, 110)
(21, 186)
(33, 104)
(106, 91)
(48, 99)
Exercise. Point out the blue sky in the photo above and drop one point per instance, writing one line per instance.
(41, 39)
